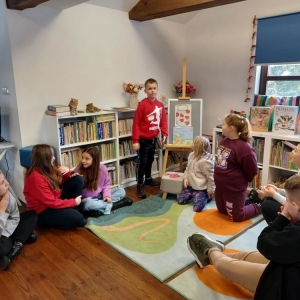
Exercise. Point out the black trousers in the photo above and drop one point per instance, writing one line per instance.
(65, 218)
(23, 231)
(270, 209)
(145, 158)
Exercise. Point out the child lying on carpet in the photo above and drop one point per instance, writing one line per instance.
(198, 181)
(275, 197)
(97, 194)
(236, 165)
(273, 273)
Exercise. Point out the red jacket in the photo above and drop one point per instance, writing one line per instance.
(39, 194)
(149, 119)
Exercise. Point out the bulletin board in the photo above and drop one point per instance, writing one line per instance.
(184, 113)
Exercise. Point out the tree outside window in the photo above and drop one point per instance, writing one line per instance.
(280, 80)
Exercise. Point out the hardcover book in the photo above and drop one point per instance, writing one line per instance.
(183, 135)
(259, 118)
(58, 108)
(285, 118)
(59, 114)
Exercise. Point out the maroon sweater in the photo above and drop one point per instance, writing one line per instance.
(236, 165)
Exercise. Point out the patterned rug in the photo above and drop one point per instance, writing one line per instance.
(207, 283)
(153, 232)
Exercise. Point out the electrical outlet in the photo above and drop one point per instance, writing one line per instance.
(5, 91)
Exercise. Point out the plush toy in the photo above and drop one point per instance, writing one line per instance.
(90, 108)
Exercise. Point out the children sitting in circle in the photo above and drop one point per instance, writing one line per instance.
(198, 177)
(236, 165)
(97, 196)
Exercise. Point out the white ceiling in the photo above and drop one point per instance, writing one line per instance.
(123, 5)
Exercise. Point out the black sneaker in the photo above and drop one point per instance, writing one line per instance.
(4, 262)
(141, 191)
(199, 244)
(123, 202)
(253, 197)
(151, 182)
(33, 237)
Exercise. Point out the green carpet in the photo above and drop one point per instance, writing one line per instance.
(153, 233)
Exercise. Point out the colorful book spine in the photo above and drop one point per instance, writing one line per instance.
(61, 134)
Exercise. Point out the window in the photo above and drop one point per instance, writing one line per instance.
(280, 80)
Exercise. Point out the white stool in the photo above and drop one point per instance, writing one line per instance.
(171, 182)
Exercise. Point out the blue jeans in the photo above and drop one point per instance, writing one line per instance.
(90, 203)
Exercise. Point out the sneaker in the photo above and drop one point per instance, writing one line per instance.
(33, 237)
(4, 262)
(151, 182)
(199, 244)
(253, 197)
(141, 191)
(123, 202)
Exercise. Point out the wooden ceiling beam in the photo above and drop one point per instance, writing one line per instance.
(23, 4)
(146, 10)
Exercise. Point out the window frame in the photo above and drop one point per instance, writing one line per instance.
(264, 78)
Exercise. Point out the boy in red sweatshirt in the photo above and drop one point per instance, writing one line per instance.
(150, 118)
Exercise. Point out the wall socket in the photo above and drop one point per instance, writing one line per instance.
(5, 91)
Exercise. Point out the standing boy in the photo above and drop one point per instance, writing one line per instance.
(150, 118)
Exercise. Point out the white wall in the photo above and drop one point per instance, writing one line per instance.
(9, 108)
(218, 51)
(86, 52)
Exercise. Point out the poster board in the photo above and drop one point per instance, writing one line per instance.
(184, 114)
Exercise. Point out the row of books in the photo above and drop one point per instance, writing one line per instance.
(112, 173)
(127, 169)
(281, 156)
(72, 157)
(81, 131)
(259, 146)
(173, 158)
(256, 182)
(125, 148)
(125, 126)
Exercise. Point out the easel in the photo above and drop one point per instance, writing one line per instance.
(178, 148)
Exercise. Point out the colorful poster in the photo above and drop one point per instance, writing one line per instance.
(183, 135)
(183, 113)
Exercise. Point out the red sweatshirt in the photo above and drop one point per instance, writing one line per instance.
(39, 194)
(149, 119)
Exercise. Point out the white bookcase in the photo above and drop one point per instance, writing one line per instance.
(270, 160)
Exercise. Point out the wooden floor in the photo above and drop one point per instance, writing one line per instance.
(78, 265)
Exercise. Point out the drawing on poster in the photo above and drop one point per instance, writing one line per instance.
(183, 114)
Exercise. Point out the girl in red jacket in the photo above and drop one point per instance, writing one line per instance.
(52, 192)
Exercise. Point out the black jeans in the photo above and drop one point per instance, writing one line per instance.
(22, 232)
(270, 209)
(65, 218)
(145, 158)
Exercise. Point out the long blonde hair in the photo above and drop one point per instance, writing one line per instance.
(201, 146)
(241, 124)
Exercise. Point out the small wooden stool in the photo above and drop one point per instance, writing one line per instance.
(172, 182)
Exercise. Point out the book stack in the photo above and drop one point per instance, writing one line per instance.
(58, 110)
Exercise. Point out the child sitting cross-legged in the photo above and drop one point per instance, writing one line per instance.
(198, 179)
(97, 196)
(272, 272)
(15, 229)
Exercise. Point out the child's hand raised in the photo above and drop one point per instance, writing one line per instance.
(4, 202)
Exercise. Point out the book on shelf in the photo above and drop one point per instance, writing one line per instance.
(285, 118)
(58, 108)
(58, 114)
(259, 118)
(289, 144)
(183, 135)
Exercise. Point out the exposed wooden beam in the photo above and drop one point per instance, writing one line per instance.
(23, 4)
(146, 10)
